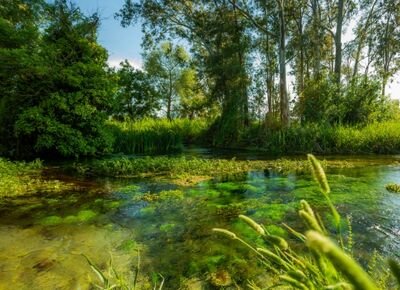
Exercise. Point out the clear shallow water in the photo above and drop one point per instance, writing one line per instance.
(42, 238)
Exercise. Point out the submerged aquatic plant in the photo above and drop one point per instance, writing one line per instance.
(393, 187)
(328, 266)
(112, 279)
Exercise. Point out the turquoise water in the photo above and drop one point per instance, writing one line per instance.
(43, 237)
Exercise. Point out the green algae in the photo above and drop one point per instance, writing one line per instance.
(171, 194)
(51, 221)
(228, 186)
(83, 216)
(86, 215)
(168, 227)
(128, 246)
(129, 189)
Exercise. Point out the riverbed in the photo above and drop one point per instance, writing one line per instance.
(45, 238)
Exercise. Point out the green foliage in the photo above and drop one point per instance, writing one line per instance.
(155, 135)
(57, 97)
(166, 67)
(136, 96)
(360, 102)
(325, 266)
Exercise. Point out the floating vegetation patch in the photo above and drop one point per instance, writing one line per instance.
(189, 171)
(161, 196)
(82, 216)
(22, 178)
(393, 187)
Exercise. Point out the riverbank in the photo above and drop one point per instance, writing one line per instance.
(151, 136)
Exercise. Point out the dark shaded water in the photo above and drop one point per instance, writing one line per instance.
(42, 238)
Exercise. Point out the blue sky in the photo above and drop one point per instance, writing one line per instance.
(121, 43)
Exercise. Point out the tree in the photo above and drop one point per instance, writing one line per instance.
(215, 32)
(20, 67)
(387, 41)
(136, 96)
(165, 66)
(63, 98)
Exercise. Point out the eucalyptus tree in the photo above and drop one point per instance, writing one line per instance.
(166, 66)
(215, 31)
(252, 15)
(386, 41)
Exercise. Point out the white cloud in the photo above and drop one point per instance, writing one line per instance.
(115, 62)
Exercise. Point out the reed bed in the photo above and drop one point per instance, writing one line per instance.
(328, 264)
(152, 136)
(383, 138)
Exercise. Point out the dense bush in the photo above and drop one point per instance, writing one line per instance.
(54, 101)
(357, 102)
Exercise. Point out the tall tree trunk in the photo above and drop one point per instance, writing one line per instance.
(384, 83)
(363, 34)
(169, 100)
(284, 102)
(268, 74)
(316, 38)
(338, 42)
(301, 65)
(244, 97)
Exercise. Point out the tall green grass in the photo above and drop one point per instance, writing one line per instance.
(155, 135)
(151, 136)
(318, 138)
(328, 263)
